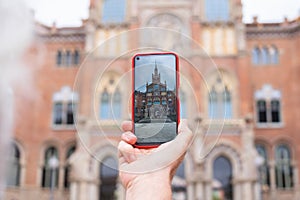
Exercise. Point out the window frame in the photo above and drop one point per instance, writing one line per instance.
(46, 182)
(15, 162)
(66, 97)
(269, 120)
(110, 112)
(265, 180)
(267, 55)
(70, 151)
(284, 164)
(64, 116)
(117, 19)
(212, 13)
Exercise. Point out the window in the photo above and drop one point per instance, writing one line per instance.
(110, 105)
(70, 151)
(63, 113)
(265, 56)
(217, 10)
(222, 173)
(70, 118)
(49, 174)
(113, 11)
(64, 105)
(256, 55)
(68, 58)
(59, 58)
(262, 111)
(268, 111)
(264, 173)
(156, 101)
(275, 110)
(220, 105)
(104, 109)
(227, 103)
(108, 178)
(268, 106)
(76, 57)
(117, 104)
(274, 56)
(14, 167)
(284, 169)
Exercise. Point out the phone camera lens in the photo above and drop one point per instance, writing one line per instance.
(138, 58)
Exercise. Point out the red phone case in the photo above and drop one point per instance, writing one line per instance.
(177, 86)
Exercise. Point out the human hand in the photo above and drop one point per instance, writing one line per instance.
(147, 173)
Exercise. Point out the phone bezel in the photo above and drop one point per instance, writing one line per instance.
(156, 144)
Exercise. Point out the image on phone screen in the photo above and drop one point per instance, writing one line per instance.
(155, 98)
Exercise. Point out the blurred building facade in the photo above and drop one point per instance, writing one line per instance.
(255, 84)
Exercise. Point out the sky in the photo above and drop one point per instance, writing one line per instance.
(145, 68)
(70, 12)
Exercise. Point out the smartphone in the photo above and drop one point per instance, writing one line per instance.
(155, 101)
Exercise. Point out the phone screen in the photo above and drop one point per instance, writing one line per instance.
(155, 98)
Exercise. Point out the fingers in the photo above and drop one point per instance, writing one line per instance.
(129, 137)
(127, 126)
(166, 155)
(126, 151)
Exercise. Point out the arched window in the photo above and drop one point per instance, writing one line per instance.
(68, 58)
(183, 106)
(261, 111)
(104, 106)
(58, 113)
(50, 174)
(117, 104)
(264, 173)
(222, 178)
(14, 167)
(70, 151)
(274, 55)
(113, 11)
(76, 57)
(256, 55)
(179, 183)
(268, 106)
(213, 102)
(111, 105)
(70, 114)
(227, 103)
(220, 101)
(64, 106)
(275, 110)
(108, 179)
(217, 10)
(284, 170)
(59, 58)
(265, 56)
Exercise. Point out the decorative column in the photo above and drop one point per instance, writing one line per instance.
(83, 181)
(237, 189)
(191, 189)
(208, 190)
(296, 181)
(247, 191)
(198, 180)
(272, 179)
